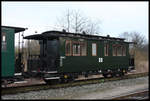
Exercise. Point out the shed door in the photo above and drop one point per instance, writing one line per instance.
(7, 52)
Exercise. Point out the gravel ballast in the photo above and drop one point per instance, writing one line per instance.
(91, 91)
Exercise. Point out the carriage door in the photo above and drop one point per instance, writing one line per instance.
(52, 54)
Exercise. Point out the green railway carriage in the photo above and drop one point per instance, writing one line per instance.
(64, 55)
(8, 50)
(94, 56)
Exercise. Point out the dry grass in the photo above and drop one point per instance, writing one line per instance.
(141, 62)
(142, 67)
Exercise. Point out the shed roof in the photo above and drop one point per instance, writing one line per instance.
(17, 29)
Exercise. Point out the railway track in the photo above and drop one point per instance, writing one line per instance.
(22, 89)
(138, 95)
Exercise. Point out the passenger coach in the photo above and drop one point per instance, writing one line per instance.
(65, 55)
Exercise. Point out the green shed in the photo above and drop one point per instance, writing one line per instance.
(8, 50)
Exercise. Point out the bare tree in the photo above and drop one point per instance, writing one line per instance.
(127, 36)
(75, 21)
(136, 37)
(64, 21)
(79, 21)
(140, 50)
(68, 20)
(93, 27)
(139, 39)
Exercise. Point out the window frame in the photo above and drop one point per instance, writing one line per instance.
(4, 42)
(76, 42)
(114, 50)
(80, 51)
(83, 43)
(124, 50)
(119, 46)
(106, 49)
(95, 49)
(70, 44)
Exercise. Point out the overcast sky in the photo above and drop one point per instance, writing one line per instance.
(115, 17)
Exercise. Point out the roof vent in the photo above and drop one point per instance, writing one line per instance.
(83, 32)
(108, 35)
(63, 30)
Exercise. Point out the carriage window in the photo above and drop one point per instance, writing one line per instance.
(4, 43)
(123, 51)
(83, 49)
(76, 49)
(106, 50)
(68, 48)
(119, 51)
(94, 49)
(114, 50)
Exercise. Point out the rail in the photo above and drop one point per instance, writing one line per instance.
(13, 90)
(138, 95)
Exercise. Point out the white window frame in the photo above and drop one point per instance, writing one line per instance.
(94, 49)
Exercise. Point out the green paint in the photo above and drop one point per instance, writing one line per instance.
(89, 62)
(7, 56)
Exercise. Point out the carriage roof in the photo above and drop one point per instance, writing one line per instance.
(55, 34)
